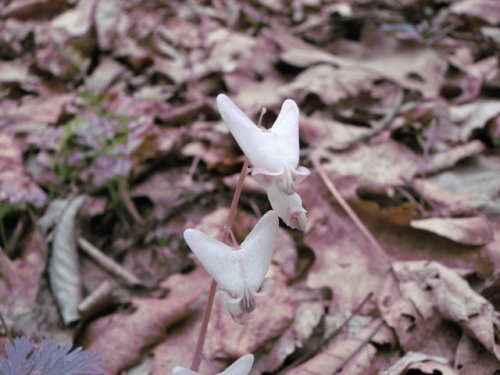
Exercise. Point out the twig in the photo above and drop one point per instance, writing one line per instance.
(107, 263)
(325, 340)
(358, 349)
(127, 201)
(354, 217)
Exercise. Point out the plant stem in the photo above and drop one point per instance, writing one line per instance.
(213, 286)
(350, 212)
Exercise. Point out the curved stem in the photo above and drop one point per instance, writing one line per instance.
(226, 233)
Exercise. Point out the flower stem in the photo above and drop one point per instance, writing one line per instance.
(226, 232)
(363, 229)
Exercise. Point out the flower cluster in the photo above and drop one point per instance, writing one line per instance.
(274, 155)
(240, 272)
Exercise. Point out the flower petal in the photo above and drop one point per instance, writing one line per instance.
(257, 145)
(288, 207)
(241, 367)
(286, 130)
(257, 250)
(220, 261)
(183, 371)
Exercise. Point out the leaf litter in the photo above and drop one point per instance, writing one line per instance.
(115, 101)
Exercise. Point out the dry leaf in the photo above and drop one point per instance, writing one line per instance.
(121, 337)
(64, 270)
(472, 231)
(487, 10)
(345, 262)
(414, 361)
(16, 186)
(435, 286)
(329, 83)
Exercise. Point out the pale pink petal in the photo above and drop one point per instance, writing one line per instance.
(220, 261)
(286, 132)
(288, 207)
(242, 366)
(257, 250)
(259, 146)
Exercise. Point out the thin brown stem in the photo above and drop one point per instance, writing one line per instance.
(226, 233)
(354, 217)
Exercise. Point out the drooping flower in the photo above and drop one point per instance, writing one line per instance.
(242, 366)
(240, 272)
(288, 206)
(273, 153)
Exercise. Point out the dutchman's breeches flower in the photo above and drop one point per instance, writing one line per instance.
(240, 272)
(240, 367)
(289, 207)
(274, 155)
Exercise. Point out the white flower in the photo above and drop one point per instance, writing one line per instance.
(240, 273)
(273, 153)
(288, 206)
(240, 367)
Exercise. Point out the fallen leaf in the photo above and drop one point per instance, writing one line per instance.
(352, 354)
(329, 83)
(487, 10)
(120, 337)
(414, 361)
(474, 231)
(474, 359)
(473, 116)
(345, 262)
(478, 180)
(16, 186)
(64, 273)
(435, 286)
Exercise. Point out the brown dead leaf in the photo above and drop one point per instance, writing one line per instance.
(344, 261)
(383, 163)
(329, 83)
(180, 191)
(472, 231)
(416, 331)
(33, 9)
(472, 358)
(419, 362)
(487, 10)
(107, 16)
(103, 76)
(473, 116)
(16, 186)
(275, 312)
(478, 180)
(172, 352)
(337, 135)
(74, 27)
(20, 281)
(308, 316)
(351, 354)
(447, 159)
(434, 286)
(120, 337)
(64, 273)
